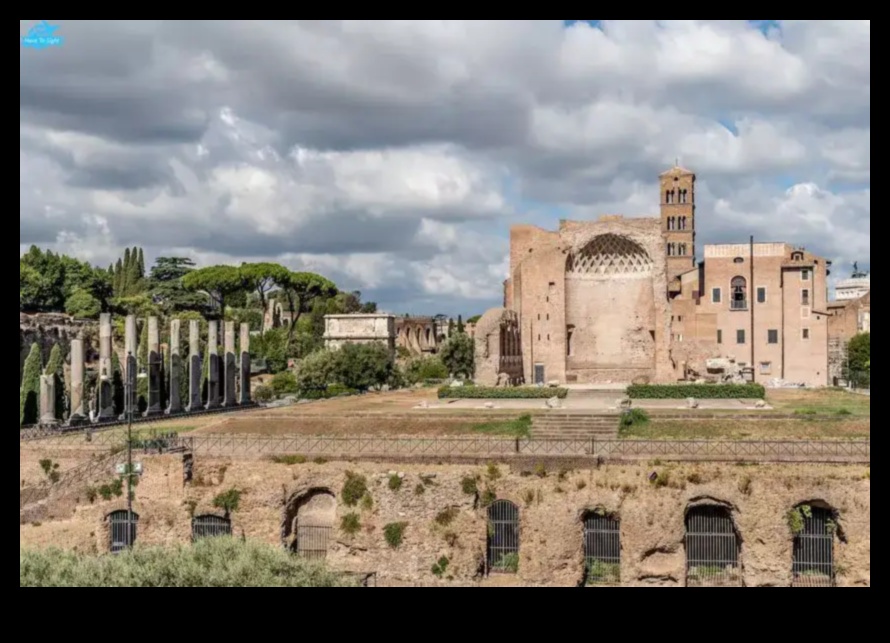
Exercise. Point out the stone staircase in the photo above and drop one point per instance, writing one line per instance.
(557, 425)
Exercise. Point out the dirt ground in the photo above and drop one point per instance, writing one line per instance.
(315, 425)
(745, 429)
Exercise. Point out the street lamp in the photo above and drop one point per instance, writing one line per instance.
(129, 395)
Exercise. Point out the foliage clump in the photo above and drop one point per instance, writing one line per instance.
(496, 393)
(228, 501)
(354, 489)
(350, 524)
(394, 533)
(445, 517)
(395, 482)
(441, 567)
(210, 562)
(29, 394)
(702, 391)
(468, 486)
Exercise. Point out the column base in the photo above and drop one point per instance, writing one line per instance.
(171, 411)
(211, 407)
(106, 415)
(152, 413)
(78, 420)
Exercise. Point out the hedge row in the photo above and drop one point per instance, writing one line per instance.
(703, 391)
(495, 393)
(333, 390)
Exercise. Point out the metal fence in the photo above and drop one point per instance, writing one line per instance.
(122, 530)
(712, 548)
(32, 432)
(210, 526)
(502, 550)
(858, 451)
(312, 541)
(602, 550)
(812, 563)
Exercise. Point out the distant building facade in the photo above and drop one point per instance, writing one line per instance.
(622, 300)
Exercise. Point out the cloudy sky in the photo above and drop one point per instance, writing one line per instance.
(393, 156)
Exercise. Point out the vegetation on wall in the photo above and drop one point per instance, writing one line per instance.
(702, 391)
(508, 393)
(859, 360)
(210, 562)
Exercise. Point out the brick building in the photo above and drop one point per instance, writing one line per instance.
(625, 299)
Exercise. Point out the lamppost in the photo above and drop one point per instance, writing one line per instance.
(129, 396)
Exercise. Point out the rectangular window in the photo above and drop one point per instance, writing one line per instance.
(805, 297)
(761, 295)
(805, 274)
(548, 316)
(772, 336)
(679, 318)
(765, 368)
(719, 336)
(715, 295)
(740, 336)
(805, 333)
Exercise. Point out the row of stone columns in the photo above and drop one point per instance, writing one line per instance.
(219, 393)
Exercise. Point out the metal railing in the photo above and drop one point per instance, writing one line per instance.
(329, 447)
(29, 433)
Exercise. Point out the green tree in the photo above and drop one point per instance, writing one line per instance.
(363, 366)
(272, 347)
(117, 283)
(859, 359)
(301, 291)
(55, 366)
(125, 275)
(262, 278)
(82, 305)
(218, 282)
(165, 285)
(458, 355)
(460, 325)
(29, 394)
(140, 265)
(474, 319)
(450, 327)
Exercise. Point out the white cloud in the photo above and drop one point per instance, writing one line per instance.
(394, 155)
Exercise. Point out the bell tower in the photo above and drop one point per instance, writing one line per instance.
(677, 187)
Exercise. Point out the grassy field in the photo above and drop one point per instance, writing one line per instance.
(819, 402)
(749, 429)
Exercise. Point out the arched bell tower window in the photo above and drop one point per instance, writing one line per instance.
(739, 289)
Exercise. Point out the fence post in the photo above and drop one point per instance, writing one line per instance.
(517, 445)
(592, 445)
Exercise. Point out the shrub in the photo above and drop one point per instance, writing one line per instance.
(419, 490)
(50, 470)
(228, 501)
(507, 563)
(424, 369)
(263, 393)
(354, 489)
(350, 524)
(468, 486)
(363, 366)
(284, 383)
(440, 567)
(493, 472)
(494, 393)
(703, 391)
(395, 482)
(394, 533)
(445, 517)
(367, 502)
(288, 459)
(315, 372)
(211, 562)
(634, 417)
(797, 516)
(488, 497)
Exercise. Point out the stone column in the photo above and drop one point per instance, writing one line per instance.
(48, 401)
(131, 367)
(77, 371)
(106, 392)
(194, 366)
(175, 405)
(229, 398)
(154, 368)
(213, 365)
(244, 347)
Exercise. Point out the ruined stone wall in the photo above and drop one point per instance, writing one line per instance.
(440, 519)
(51, 329)
(498, 349)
